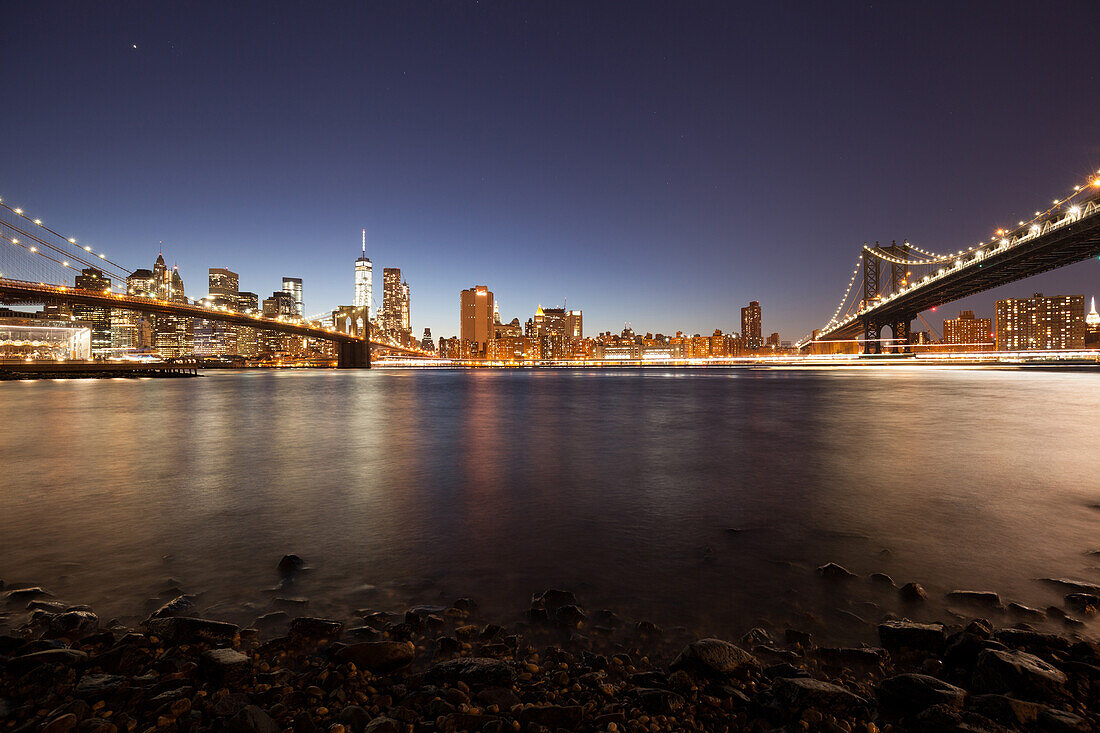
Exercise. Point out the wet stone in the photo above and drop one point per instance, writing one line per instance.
(911, 635)
(377, 656)
(914, 692)
(94, 686)
(832, 571)
(225, 667)
(1017, 672)
(912, 593)
(474, 671)
(976, 598)
(715, 657)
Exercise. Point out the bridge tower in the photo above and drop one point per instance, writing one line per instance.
(899, 274)
(871, 291)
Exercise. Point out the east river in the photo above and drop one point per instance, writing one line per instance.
(705, 498)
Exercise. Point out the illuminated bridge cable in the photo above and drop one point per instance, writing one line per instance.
(54, 248)
(68, 240)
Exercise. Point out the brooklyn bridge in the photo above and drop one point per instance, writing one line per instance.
(40, 266)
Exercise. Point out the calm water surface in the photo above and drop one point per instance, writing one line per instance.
(417, 486)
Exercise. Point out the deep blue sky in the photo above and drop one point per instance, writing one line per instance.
(657, 163)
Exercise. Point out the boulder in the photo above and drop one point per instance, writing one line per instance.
(882, 579)
(178, 606)
(378, 657)
(315, 629)
(186, 630)
(911, 693)
(67, 657)
(832, 571)
(1005, 710)
(795, 694)
(225, 667)
(715, 658)
(912, 593)
(1019, 673)
(72, 625)
(290, 564)
(911, 635)
(473, 671)
(977, 598)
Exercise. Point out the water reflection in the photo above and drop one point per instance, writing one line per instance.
(707, 497)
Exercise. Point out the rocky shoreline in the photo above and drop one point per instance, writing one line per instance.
(560, 667)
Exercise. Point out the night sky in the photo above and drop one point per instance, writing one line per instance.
(655, 163)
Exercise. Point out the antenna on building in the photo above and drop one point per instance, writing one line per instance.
(364, 242)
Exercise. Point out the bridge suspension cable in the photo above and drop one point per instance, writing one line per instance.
(70, 241)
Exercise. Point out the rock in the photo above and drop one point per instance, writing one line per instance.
(979, 598)
(178, 606)
(852, 656)
(832, 571)
(783, 669)
(1026, 612)
(61, 724)
(1078, 586)
(794, 694)
(296, 603)
(502, 697)
(290, 564)
(1060, 720)
(1016, 672)
(911, 635)
(568, 615)
(552, 599)
(715, 658)
(72, 625)
(756, 635)
(882, 579)
(473, 671)
(1032, 641)
(382, 724)
(67, 657)
(22, 595)
(553, 716)
(225, 667)
(95, 686)
(252, 720)
(378, 657)
(1005, 710)
(355, 718)
(911, 693)
(1086, 603)
(185, 629)
(912, 593)
(315, 629)
(657, 700)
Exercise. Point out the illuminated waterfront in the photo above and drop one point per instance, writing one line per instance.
(699, 497)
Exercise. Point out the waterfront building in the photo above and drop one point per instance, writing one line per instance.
(512, 329)
(426, 343)
(293, 286)
(395, 302)
(967, 333)
(1039, 322)
(476, 316)
(97, 317)
(751, 320)
(364, 278)
(512, 348)
(773, 341)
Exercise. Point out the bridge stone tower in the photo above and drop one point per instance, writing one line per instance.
(872, 290)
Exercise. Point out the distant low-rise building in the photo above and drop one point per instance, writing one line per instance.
(967, 333)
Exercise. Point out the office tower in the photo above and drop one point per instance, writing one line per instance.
(394, 300)
(1039, 322)
(751, 326)
(476, 316)
(574, 324)
(96, 316)
(162, 279)
(224, 286)
(968, 330)
(293, 286)
(406, 323)
(364, 278)
(133, 329)
(426, 343)
(175, 335)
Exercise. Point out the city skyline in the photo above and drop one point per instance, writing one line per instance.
(630, 160)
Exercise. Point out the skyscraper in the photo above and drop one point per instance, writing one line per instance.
(476, 315)
(293, 286)
(1039, 322)
(224, 286)
(406, 323)
(364, 276)
(96, 316)
(393, 299)
(751, 326)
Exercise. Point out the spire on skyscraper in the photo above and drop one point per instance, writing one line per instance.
(1093, 318)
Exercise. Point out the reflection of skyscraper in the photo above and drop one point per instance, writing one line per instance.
(751, 326)
(364, 274)
(293, 286)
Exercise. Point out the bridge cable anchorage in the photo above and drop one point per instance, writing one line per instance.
(69, 240)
